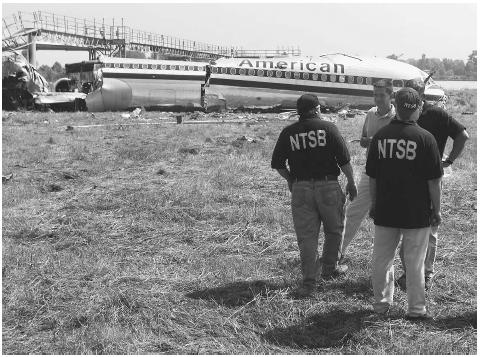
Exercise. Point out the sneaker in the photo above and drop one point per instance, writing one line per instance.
(401, 282)
(416, 318)
(328, 274)
(305, 291)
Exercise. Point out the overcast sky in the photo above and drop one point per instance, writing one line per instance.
(442, 30)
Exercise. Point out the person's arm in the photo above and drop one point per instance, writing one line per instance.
(435, 195)
(372, 193)
(287, 175)
(458, 147)
(351, 188)
(279, 158)
(365, 140)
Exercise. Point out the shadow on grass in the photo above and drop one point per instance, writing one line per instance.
(359, 287)
(237, 293)
(468, 319)
(320, 331)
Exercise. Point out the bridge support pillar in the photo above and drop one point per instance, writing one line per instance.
(32, 48)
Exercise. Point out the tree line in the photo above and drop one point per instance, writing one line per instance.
(445, 69)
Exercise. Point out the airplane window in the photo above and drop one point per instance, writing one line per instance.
(297, 75)
(251, 72)
(350, 79)
(332, 77)
(323, 77)
(278, 74)
(360, 80)
(136, 65)
(305, 75)
(145, 66)
(224, 70)
(315, 76)
(191, 68)
(260, 72)
(117, 65)
(232, 71)
(288, 74)
(181, 68)
(369, 80)
(342, 79)
(270, 73)
(163, 66)
(242, 71)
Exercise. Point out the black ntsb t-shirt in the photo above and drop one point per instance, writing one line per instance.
(439, 123)
(313, 149)
(402, 158)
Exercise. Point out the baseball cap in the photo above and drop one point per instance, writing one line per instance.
(407, 101)
(307, 102)
(416, 84)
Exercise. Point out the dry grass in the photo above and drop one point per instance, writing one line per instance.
(169, 239)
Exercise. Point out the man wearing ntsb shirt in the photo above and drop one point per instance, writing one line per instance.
(405, 173)
(316, 153)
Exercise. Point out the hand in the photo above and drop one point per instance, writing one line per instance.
(289, 184)
(435, 219)
(365, 141)
(372, 209)
(446, 163)
(351, 190)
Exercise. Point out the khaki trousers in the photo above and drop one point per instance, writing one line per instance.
(315, 202)
(386, 240)
(356, 211)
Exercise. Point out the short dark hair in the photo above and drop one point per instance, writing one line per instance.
(407, 101)
(306, 103)
(417, 84)
(386, 84)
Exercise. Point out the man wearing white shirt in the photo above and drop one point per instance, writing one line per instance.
(376, 118)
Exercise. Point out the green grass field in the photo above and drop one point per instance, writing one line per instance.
(178, 239)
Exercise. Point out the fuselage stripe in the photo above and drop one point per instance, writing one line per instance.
(292, 87)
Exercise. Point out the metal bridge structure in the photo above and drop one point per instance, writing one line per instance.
(46, 31)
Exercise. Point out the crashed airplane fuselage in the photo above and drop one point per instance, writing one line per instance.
(124, 83)
(338, 80)
(24, 87)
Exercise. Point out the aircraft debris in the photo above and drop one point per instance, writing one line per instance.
(51, 187)
(161, 171)
(240, 142)
(6, 178)
(23, 87)
(192, 151)
(136, 112)
(68, 175)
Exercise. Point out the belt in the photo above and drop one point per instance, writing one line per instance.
(320, 178)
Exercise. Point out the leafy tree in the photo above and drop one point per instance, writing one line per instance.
(473, 57)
